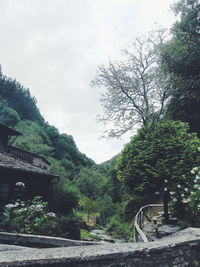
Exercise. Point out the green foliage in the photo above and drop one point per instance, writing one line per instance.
(34, 139)
(85, 235)
(52, 133)
(66, 198)
(65, 148)
(114, 187)
(69, 167)
(90, 182)
(119, 229)
(20, 99)
(106, 208)
(89, 205)
(181, 61)
(163, 151)
(8, 116)
(33, 217)
(66, 194)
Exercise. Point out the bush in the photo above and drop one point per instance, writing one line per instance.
(106, 208)
(186, 198)
(33, 217)
(119, 229)
(8, 115)
(65, 198)
(158, 153)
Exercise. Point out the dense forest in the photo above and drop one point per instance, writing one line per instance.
(157, 88)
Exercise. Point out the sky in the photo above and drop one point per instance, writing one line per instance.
(53, 47)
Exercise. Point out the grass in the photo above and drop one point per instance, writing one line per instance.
(87, 235)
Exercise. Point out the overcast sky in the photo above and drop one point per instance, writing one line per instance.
(53, 47)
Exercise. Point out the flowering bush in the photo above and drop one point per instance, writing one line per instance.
(186, 198)
(33, 217)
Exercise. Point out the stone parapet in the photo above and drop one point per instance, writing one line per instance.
(178, 250)
(41, 241)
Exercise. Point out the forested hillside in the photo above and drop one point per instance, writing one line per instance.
(19, 110)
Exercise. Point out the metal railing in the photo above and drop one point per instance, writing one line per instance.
(145, 213)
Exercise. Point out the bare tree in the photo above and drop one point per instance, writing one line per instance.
(136, 87)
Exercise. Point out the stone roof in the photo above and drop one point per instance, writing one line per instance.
(12, 163)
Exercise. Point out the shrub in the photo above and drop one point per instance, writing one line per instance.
(186, 198)
(119, 229)
(33, 217)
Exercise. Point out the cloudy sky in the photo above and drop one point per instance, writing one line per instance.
(53, 47)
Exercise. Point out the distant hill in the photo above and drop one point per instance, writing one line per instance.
(18, 109)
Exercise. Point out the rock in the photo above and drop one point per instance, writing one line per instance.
(167, 229)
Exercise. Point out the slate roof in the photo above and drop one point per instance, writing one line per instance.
(9, 162)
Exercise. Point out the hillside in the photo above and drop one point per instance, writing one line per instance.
(86, 189)
(19, 109)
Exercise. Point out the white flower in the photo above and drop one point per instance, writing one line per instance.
(51, 214)
(186, 189)
(165, 189)
(38, 207)
(185, 200)
(10, 205)
(179, 186)
(166, 181)
(22, 210)
(174, 199)
(192, 171)
(20, 184)
(182, 195)
(172, 193)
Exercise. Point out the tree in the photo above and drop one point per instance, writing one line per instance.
(8, 115)
(157, 158)
(181, 60)
(89, 206)
(136, 88)
(90, 182)
(34, 139)
(20, 99)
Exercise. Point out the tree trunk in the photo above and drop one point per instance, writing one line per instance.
(166, 208)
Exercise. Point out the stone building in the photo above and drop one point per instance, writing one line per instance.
(17, 165)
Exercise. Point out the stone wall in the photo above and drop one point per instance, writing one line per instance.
(40, 241)
(181, 249)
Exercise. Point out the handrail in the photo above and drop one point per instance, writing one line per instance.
(139, 235)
